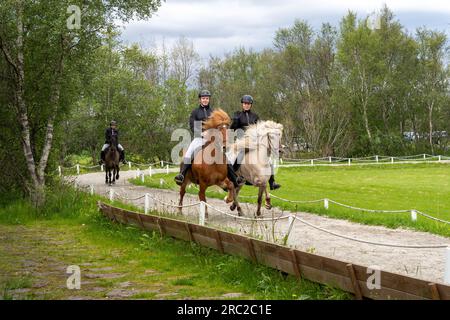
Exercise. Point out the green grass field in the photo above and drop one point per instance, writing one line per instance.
(38, 244)
(424, 187)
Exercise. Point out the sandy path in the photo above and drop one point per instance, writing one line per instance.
(426, 264)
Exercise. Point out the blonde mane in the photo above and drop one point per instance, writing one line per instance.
(217, 118)
(255, 132)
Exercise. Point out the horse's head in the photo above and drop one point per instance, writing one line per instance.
(218, 120)
(274, 132)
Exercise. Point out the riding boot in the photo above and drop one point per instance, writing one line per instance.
(122, 157)
(180, 177)
(234, 177)
(102, 157)
(273, 185)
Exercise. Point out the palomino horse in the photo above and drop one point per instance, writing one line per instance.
(210, 164)
(260, 142)
(112, 162)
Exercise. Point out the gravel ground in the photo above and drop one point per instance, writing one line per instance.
(425, 264)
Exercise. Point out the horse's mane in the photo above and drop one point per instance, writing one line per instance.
(218, 117)
(255, 131)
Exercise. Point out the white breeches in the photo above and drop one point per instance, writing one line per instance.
(106, 146)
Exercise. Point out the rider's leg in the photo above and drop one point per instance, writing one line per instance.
(231, 173)
(273, 185)
(122, 153)
(187, 161)
(102, 153)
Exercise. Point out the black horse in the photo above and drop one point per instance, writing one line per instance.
(112, 162)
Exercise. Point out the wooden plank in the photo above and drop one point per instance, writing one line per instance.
(355, 283)
(434, 291)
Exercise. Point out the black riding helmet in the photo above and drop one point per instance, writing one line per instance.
(113, 123)
(204, 93)
(247, 99)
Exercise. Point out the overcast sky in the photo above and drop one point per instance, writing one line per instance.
(220, 26)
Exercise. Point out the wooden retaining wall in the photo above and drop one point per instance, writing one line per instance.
(348, 277)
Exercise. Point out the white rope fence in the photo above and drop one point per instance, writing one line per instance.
(376, 159)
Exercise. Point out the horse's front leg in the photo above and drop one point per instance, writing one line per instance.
(260, 193)
(267, 194)
(202, 196)
(114, 175)
(182, 193)
(117, 172)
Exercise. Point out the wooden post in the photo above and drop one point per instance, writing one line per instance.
(150, 171)
(298, 274)
(160, 227)
(349, 161)
(167, 169)
(101, 168)
(78, 168)
(162, 163)
(189, 231)
(251, 250)
(142, 177)
(59, 171)
(219, 241)
(129, 164)
(434, 291)
(356, 288)
(325, 203)
(376, 158)
(312, 162)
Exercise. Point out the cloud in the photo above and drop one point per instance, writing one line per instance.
(220, 26)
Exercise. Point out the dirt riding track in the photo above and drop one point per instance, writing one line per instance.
(427, 264)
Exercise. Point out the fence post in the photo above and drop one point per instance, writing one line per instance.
(161, 182)
(138, 173)
(447, 266)
(59, 171)
(329, 159)
(312, 162)
(111, 194)
(146, 203)
(424, 156)
(349, 161)
(92, 189)
(78, 168)
(439, 159)
(150, 171)
(129, 164)
(101, 168)
(325, 203)
(142, 177)
(414, 215)
(392, 159)
(162, 163)
(376, 158)
(167, 169)
(201, 216)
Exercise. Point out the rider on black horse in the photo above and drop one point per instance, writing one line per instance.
(241, 120)
(112, 131)
(195, 121)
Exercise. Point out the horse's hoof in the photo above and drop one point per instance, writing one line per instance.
(258, 213)
(232, 207)
(239, 212)
(268, 206)
(117, 177)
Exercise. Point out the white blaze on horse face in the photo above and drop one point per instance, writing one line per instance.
(180, 148)
(213, 153)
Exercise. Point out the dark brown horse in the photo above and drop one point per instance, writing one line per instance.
(112, 162)
(210, 166)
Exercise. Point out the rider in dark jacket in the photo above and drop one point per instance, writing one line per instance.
(241, 120)
(109, 132)
(195, 123)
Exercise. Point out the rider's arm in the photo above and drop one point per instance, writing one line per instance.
(192, 121)
(235, 123)
(107, 135)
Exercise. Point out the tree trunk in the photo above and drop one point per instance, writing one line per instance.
(430, 119)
